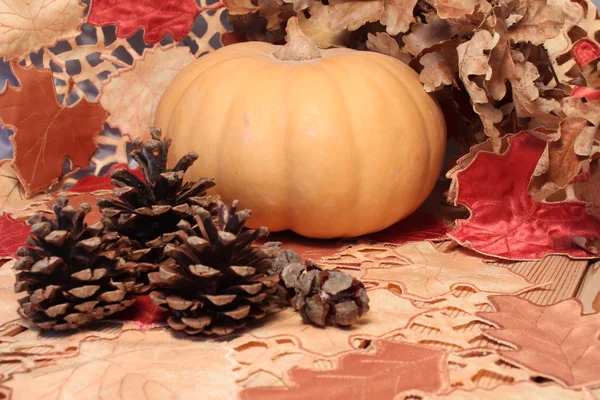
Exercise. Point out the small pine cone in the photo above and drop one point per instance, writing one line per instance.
(215, 281)
(145, 210)
(324, 297)
(72, 273)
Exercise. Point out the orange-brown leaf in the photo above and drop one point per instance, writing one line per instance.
(556, 341)
(395, 368)
(45, 131)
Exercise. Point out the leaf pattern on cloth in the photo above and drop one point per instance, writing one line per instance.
(45, 131)
(157, 18)
(505, 220)
(132, 94)
(388, 312)
(421, 270)
(28, 25)
(393, 369)
(134, 365)
(557, 341)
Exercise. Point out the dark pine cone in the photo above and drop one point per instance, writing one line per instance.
(72, 273)
(148, 211)
(323, 297)
(215, 281)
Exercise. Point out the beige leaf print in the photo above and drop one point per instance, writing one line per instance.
(28, 25)
(388, 312)
(134, 366)
(423, 271)
(132, 94)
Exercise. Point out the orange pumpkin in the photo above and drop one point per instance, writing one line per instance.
(327, 143)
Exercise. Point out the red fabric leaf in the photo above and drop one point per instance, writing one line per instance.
(395, 368)
(45, 131)
(12, 235)
(505, 221)
(143, 312)
(414, 228)
(156, 17)
(585, 51)
(92, 183)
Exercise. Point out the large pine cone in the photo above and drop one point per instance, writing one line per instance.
(72, 273)
(146, 210)
(215, 281)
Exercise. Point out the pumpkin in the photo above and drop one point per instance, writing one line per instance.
(324, 142)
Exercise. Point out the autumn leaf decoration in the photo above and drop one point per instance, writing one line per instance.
(46, 131)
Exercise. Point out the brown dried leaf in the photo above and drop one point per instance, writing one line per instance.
(472, 61)
(351, 15)
(398, 15)
(455, 8)
(425, 34)
(490, 117)
(437, 71)
(317, 27)
(136, 364)
(502, 66)
(300, 5)
(240, 7)
(536, 22)
(563, 158)
(383, 43)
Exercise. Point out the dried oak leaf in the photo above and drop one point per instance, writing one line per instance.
(351, 15)
(501, 64)
(455, 8)
(556, 341)
(240, 7)
(536, 21)
(26, 26)
(393, 369)
(383, 43)
(317, 27)
(156, 18)
(472, 61)
(300, 5)
(12, 235)
(517, 391)
(421, 270)
(13, 199)
(45, 131)
(425, 34)
(562, 160)
(149, 364)
(505, 220)
(132, 94)
(388, 312)
(437, 71)
(574, 13)
(398, 15)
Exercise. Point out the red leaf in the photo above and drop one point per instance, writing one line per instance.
(143, 312)
(45, 131)
(92, 183)
(12, 235)
(157, 18)
(585, 51)
(395, 368)
(505, 221)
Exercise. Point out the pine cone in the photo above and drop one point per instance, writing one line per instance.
(215, 281)
(148, 212)
(324, 296)
(72, 273)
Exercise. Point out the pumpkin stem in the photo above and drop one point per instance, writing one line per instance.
(299, 47)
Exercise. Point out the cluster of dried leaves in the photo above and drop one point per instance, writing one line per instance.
(496, 66)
